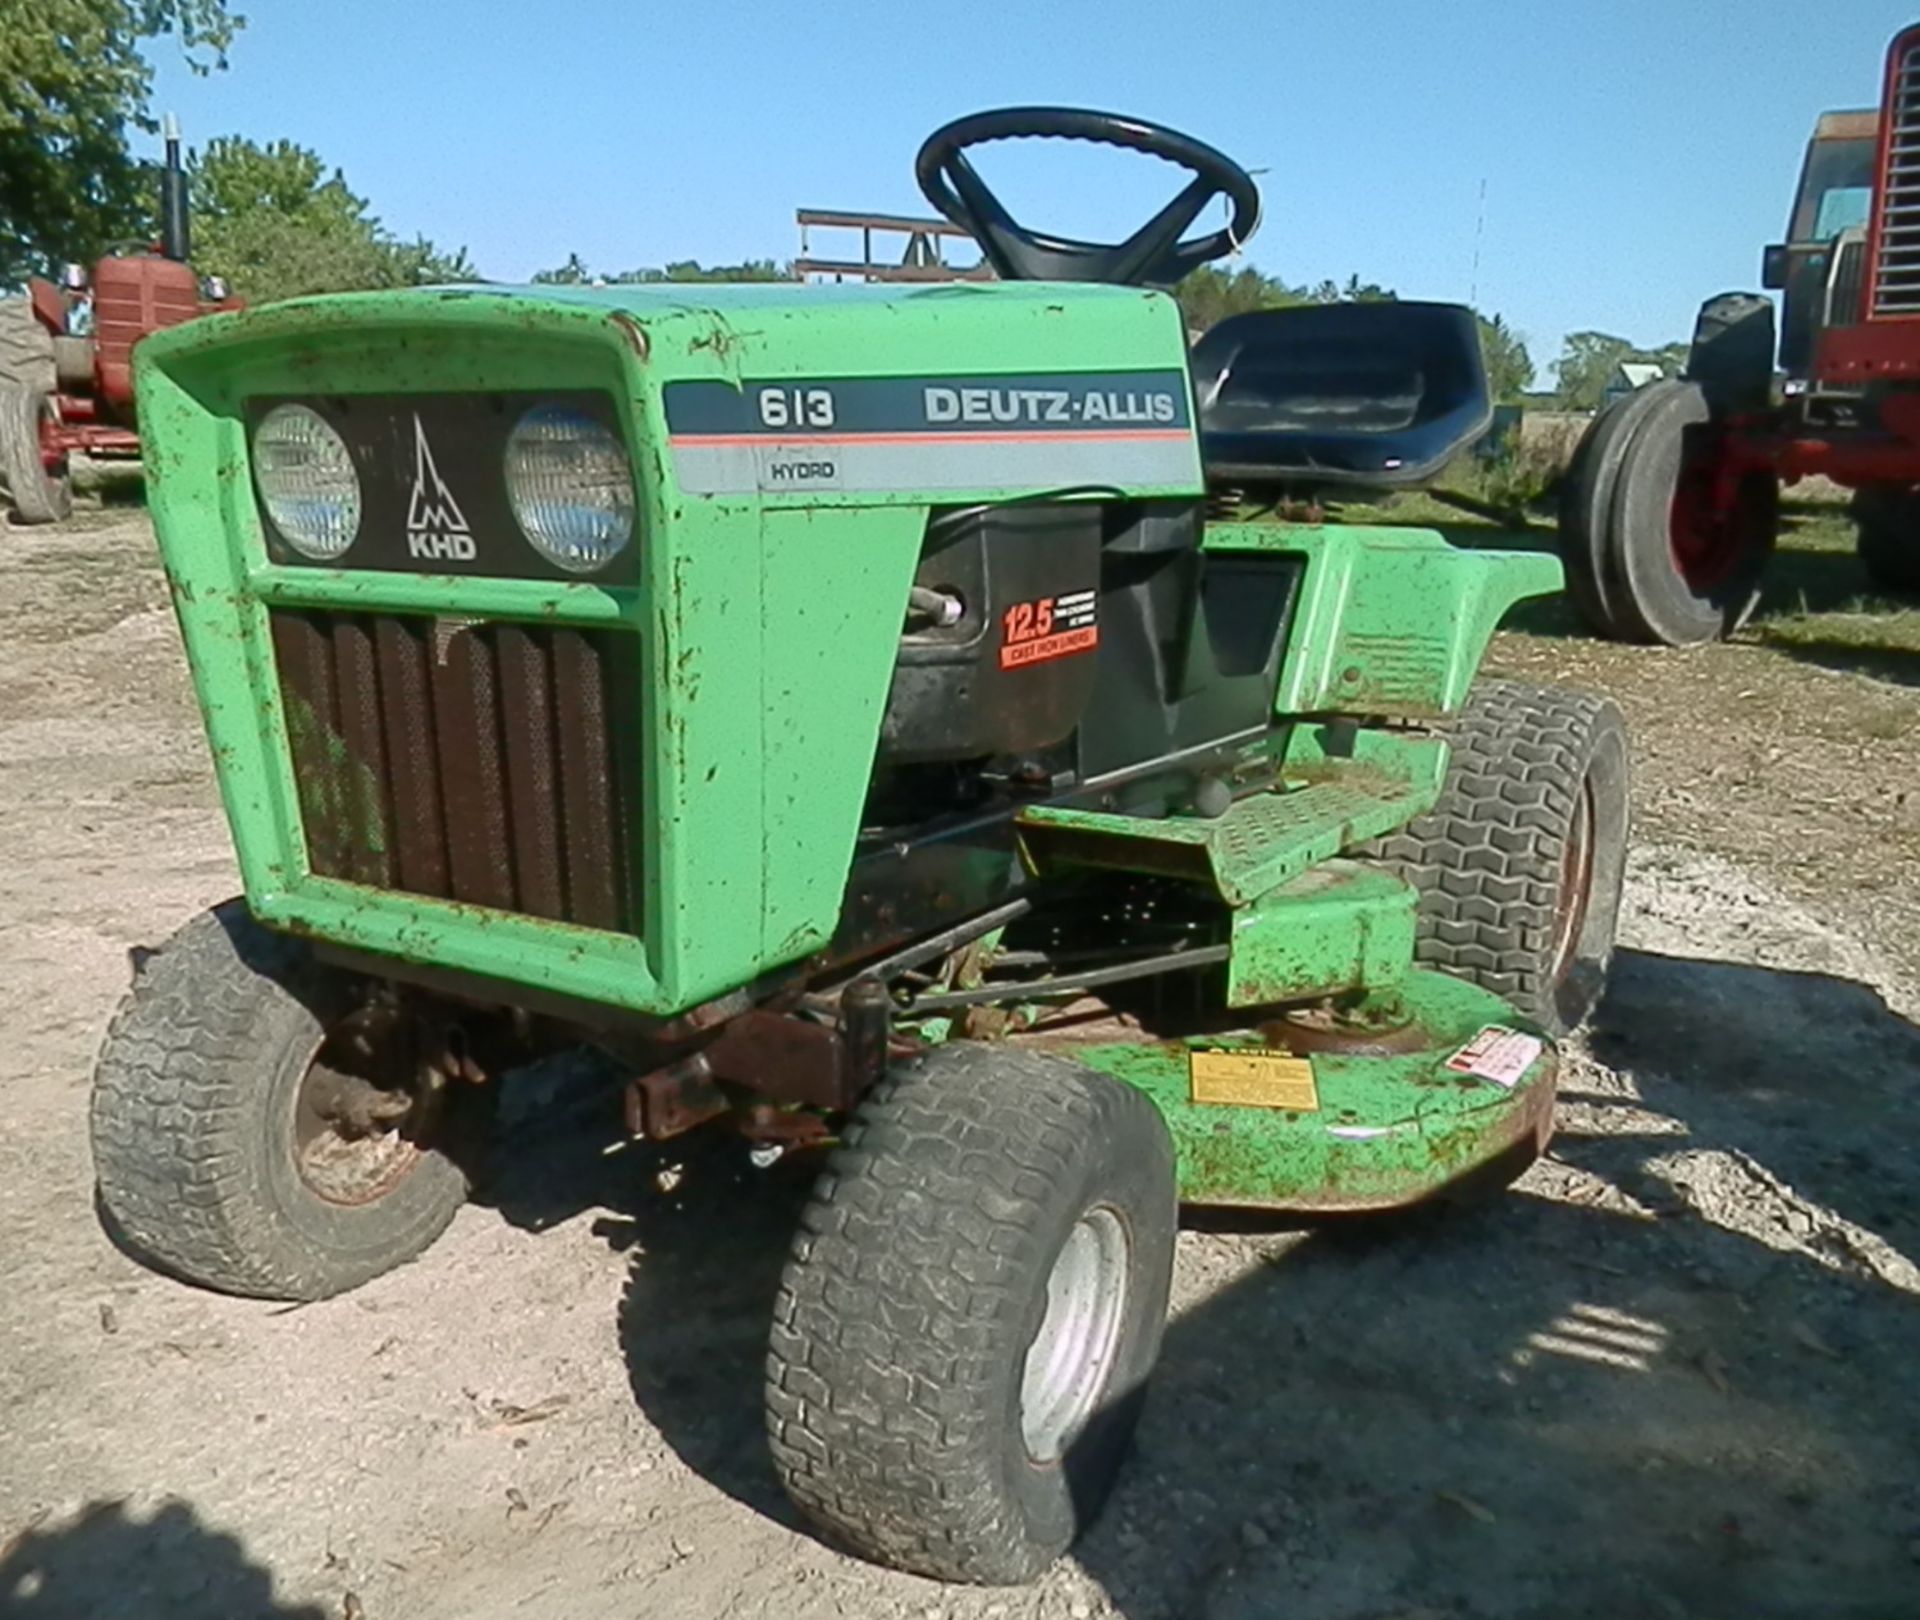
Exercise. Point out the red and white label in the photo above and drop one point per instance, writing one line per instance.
(1498, 1054)
(1048, 627)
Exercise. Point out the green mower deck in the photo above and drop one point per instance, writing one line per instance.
(1356, 1129)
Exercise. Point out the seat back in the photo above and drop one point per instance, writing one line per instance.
(1363, 396)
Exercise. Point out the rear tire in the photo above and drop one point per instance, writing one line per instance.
(988, 1207)
(1520, 865)
(37, 496)
(1887, 520)
(26, 348)
(196, 1124)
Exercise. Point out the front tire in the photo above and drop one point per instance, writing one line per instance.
(975, 1299)
(1520, 865)
(1663, 544)
(215, 1156)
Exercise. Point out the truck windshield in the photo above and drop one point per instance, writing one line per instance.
(1836, 190)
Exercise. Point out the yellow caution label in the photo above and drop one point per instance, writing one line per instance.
(1254, 1079)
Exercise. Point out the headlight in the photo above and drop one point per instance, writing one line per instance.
(307, 481)
(571, 487)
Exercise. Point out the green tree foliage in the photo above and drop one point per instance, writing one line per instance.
(1589, 359)
(574, 273)
(73, 87)
(276, 224)
(1510, 371)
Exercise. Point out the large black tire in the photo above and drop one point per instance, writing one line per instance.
(899, 1403)
(26, 348)
(1586, 513)
(1887, 520)
(1519, 866)
(35, 495)
(195, 1097)
(1689, 573)
(1734, 339)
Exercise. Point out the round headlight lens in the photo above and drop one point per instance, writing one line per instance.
(307, 481)
(571, 487)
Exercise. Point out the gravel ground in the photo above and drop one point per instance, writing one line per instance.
(1672, 1373)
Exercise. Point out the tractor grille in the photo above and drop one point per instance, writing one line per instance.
(1896, 281)
(462, 761)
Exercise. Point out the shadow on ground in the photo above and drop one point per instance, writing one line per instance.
(1660, 1379)
(107, 1564)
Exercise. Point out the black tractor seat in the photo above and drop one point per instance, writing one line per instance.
(1339, 396)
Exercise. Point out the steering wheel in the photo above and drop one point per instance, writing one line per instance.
(1154, 256)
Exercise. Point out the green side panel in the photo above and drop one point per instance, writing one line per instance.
(1391, 622)
(1340, 926)
(1388, 1131)
(835, 583)
(1260, 843)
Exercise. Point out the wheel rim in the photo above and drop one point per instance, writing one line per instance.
(362, 1112)
(1575, 886)
(1708, 533)
(1071, 1357)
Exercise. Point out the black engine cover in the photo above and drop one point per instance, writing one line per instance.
(1014, 674)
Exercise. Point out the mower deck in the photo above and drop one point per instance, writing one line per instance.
(1382, 1120)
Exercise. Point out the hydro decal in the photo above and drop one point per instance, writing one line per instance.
(883, 435)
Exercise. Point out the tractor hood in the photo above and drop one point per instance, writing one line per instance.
(637, 785)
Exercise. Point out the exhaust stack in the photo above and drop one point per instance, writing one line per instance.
(175, 240)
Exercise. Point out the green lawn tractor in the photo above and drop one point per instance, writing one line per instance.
(896, 722)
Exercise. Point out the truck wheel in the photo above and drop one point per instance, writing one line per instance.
(261, 1123)
(1519, 866)
(38, 496)
(1586, 506)
(1688, 544)
(26, 348)
(1887, 520)
(975, 1299)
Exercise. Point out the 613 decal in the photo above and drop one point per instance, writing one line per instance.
(1048, 627)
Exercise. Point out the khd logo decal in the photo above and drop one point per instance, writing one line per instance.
(436, 527)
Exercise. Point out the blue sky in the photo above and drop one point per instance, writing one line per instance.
(1636, 154)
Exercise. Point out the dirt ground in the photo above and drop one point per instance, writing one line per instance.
(1672, 1374)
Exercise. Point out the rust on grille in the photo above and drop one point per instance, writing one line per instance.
(485, 763)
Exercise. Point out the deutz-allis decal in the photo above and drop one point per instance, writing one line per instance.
(1128, 430)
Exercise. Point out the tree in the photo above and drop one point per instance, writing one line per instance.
(574, 273)
(1589, 360)
(276, 224)
(1586, 365)
(1209, 295)
(1510, 370)
(73, 86)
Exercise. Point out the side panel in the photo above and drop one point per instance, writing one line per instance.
(1408, 645)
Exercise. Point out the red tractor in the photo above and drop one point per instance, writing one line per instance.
(66, 354)
(1672, 504)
